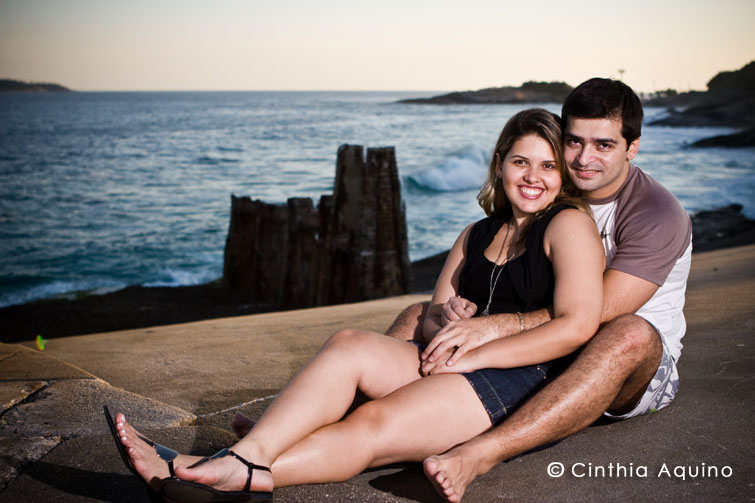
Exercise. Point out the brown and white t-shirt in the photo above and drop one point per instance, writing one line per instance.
(647, 233)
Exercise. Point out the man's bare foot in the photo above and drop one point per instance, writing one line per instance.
(227, 474)
(147, 463)
(241, 425)
(452, 472)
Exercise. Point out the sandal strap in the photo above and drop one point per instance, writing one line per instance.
(165, 453)
(225, 452)
(250, 467)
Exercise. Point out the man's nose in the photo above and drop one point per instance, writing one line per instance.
(584, 156)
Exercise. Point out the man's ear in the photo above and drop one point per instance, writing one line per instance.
(633, 148)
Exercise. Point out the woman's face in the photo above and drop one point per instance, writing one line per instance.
(530, 175)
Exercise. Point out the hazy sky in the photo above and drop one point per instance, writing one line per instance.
(352, 44)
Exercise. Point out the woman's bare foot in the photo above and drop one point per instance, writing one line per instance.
(227, 474)
(241, 425)
(147, 463)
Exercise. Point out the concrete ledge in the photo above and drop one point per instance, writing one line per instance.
(54, 446)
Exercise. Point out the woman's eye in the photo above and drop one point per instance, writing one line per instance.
(548, 165)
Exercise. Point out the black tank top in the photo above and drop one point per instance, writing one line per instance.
(526, 283)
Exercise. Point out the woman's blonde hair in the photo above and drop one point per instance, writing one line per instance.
(545, 125)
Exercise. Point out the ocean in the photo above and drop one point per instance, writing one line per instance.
(101, 190)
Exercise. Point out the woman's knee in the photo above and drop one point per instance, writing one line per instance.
(350, 339)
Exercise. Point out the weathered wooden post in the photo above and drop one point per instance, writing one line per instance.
(256, 250)
(353, 247)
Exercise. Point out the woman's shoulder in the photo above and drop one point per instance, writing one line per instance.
(566, 214)
(544, 221)
(571, 224)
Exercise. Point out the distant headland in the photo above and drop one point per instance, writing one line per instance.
(728, 102)
(529, 92)
(18, 86)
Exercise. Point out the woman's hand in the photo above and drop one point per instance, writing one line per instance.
(455, 309)
(468, 363)
(459, 336)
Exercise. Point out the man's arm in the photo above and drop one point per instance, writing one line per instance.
(408, 324)
(624, 293)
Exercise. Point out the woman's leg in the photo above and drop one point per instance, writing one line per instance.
(425, 417)
(324, 389)
(319, 394)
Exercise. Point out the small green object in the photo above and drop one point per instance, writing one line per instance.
(653, 410)
(41, 343)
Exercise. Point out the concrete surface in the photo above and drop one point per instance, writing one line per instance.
(181, 384)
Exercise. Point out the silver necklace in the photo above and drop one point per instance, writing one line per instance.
(493, 284)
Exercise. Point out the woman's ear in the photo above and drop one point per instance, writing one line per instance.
(498, 166)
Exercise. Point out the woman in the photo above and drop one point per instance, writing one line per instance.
(532, 251)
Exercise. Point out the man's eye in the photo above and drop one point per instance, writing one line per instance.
(572, 143)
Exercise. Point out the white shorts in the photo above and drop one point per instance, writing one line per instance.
(661, 390)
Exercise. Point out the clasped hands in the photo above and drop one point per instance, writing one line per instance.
(460, 335)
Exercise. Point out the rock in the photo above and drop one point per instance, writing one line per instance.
(76, 406)
(16, 454)
(742, 139)
(721, 227)
(728, 102)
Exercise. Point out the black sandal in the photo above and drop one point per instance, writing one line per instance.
(184, 490)
(165, 453)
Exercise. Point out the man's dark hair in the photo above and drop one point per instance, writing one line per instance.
(605, 99)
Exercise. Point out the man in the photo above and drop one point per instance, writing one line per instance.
(629, 367)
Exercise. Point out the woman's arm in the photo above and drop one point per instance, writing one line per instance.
(447, 285)
(572, 244)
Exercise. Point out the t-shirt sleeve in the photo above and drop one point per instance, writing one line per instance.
(652, 232)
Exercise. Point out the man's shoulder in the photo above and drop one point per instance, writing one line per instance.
(644, 197)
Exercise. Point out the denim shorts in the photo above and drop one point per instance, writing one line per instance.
(501, 391)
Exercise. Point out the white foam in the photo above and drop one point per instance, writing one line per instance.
(463, 169)
(60, 289)
(174, 277)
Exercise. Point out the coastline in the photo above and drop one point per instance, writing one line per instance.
(138, 306)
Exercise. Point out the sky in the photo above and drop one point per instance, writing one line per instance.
(141, 45)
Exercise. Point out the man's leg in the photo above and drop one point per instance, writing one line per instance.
(408, 324)
(610, 373)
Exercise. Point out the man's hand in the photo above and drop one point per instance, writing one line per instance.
(437, 367)
(455, 309)
(463, 335)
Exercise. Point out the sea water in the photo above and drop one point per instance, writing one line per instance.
(103, 190)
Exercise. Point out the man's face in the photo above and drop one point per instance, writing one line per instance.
(596, 154)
